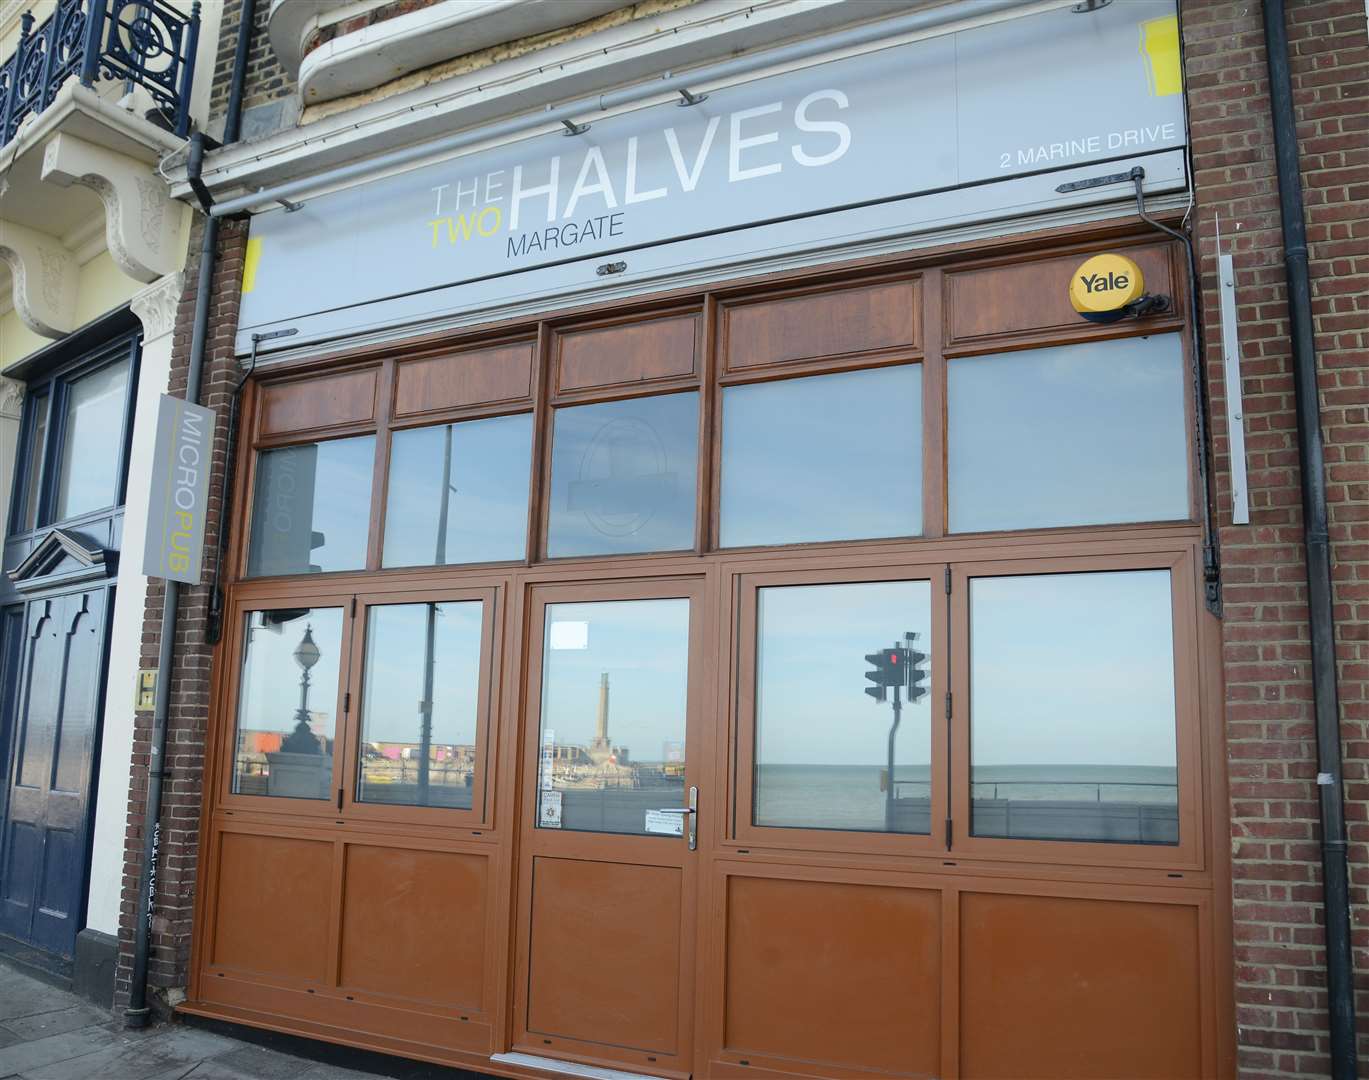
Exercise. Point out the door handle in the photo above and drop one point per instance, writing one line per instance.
(691, 814)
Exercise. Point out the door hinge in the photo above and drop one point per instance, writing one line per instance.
(948, 834)
(354, 607)
(339, 799)
(346, 702)
(948, 704)
(948, 581)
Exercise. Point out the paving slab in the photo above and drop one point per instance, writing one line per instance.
(39, 1025)
(47, 1033)
(22, 1056)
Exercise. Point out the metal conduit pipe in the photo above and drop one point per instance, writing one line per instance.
(1340, 975)
(137, 1014)
(574, 111)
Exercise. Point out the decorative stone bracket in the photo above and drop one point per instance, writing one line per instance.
(141, 221)
(11, 399)
(43, 276)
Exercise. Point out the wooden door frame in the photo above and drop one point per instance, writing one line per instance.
(699, 770)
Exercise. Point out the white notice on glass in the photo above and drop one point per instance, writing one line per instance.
(570, 634)
(667, 824)
(549, 810)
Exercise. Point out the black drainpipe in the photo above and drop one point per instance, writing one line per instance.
(137, 1014)
(1340, 974)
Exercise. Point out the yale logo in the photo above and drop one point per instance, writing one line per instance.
(1104, 285)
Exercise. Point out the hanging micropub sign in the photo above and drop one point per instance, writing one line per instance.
(174, 546)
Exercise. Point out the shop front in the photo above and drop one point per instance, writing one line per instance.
(753, 624)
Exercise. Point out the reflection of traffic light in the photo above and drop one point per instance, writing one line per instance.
(889, 667)
(916, 675)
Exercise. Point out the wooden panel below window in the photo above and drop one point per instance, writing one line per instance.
(840, 975)
(487, 376)
(413, 924)
(1005, 301)
(1055, 987)
(604, 958)
(627, 353)
(812, 325)
(272, 913)
(319, 403)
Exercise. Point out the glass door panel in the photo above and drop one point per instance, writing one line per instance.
(608, 867)
(287, 718)
(612, 737)
(841, 739)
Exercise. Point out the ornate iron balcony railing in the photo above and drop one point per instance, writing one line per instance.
(145, 43)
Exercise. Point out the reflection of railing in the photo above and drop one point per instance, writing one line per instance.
(146, 43)
(977, 788)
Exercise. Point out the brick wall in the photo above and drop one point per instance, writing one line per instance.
(1280, 988)
(267, 82)
(184, 761)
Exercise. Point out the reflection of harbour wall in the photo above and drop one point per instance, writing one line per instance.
(1101, 802)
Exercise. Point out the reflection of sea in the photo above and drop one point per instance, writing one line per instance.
(849, 796)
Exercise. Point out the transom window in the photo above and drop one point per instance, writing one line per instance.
(817, 421)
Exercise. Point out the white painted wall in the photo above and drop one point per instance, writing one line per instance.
(11, 409)
(156, 307)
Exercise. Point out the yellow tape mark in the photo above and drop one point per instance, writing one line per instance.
(1160, 47)
(249, 265)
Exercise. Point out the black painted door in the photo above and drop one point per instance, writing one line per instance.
(61, 665)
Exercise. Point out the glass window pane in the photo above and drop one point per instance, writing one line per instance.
(287, 703)
(1074, 435)
(459, 492)
(614, 678)
(421, 708)
(822, 744)
(33, 463)
(1072, 726)
(88, 477)
(622, 476)
(312, 508)
(831, 457)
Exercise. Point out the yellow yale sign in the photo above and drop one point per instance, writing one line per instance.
(1104, 285)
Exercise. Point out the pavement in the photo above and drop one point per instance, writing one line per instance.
(50, 1034)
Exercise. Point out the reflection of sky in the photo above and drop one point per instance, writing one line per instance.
(271, 676)
(644, 647)
(622, 476)
(831, 457)
(331, 485)
(811, 706)
(396, 647)
(1071, 435)
(1072, 669)
(95, 417)
(487, 518)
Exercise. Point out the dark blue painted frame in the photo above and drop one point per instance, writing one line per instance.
(55, 387)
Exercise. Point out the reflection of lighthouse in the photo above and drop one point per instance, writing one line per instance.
(601, 751)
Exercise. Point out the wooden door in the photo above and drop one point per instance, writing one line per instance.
(611, 770)
(46, 830)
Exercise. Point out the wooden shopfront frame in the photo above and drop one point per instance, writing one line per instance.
(379, 392)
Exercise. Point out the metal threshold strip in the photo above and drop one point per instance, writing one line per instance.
(568, 1068)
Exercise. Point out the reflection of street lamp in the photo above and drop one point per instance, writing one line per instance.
(302, 740)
